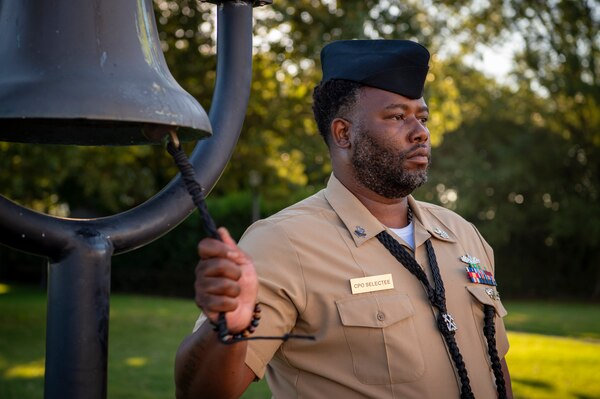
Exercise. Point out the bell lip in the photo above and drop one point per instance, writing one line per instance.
(95, 132)
(81, 102)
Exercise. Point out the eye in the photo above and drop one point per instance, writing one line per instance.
(424, 120)
(398, 117)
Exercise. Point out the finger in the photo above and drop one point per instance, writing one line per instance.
(216, 267)
(211, 248)
(217, 287)
(213, 305)
(215, 292)
(219, 296)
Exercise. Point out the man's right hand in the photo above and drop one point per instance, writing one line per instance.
(226, 281)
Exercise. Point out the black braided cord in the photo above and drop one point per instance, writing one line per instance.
(489, 330)
(197, 193)
(437, 298)
(194, 188)
(435, 295)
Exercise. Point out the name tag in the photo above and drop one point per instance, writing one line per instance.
(371, 283)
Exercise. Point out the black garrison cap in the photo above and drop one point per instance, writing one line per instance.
(399, 66)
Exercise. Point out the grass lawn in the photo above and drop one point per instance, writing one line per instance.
(555, 348)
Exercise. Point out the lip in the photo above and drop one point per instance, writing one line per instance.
(420, 155)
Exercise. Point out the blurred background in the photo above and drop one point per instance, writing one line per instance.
(514, 90)
(514, 93)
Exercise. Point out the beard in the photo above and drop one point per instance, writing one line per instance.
(382, 170)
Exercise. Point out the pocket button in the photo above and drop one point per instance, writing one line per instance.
(380, 316)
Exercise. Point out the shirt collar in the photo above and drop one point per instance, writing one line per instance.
(427, 225)
(363, 226)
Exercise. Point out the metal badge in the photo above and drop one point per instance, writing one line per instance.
(469, 260)
(441, 233)
(360, 232)
(492, 294)
(450, 323)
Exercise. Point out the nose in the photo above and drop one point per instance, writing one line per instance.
(418, 132)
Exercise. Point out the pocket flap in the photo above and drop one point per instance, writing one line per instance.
(375, 311)
(486, 295)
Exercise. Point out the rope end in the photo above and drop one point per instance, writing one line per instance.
(174, 139)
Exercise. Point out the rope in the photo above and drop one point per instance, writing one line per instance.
(437, 298)
(194, 188)
(197, 193)
(489, 330)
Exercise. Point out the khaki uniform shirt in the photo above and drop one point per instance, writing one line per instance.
(378, 344)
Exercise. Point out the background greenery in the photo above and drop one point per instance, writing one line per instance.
(519, 157)
(555, 348)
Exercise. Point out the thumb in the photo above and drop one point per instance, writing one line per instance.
(234, 253)
(227, 239)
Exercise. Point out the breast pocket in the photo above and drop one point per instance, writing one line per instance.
(382, 338)
(485, 295)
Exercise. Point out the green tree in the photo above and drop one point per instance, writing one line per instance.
(521, 161)
(547, 155)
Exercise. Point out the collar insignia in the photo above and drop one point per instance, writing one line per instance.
(360, 232)
(441, 233)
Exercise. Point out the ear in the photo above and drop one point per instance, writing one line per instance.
(340, 133)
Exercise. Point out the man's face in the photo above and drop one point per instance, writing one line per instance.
(391, 147)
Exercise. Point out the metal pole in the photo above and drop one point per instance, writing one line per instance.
(77, 319)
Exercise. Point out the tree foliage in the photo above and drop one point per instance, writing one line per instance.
(520, 159)
(532, 179)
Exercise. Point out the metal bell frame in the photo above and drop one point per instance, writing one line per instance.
(80, 250)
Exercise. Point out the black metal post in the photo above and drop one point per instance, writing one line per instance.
(77, 319)
(80, 251)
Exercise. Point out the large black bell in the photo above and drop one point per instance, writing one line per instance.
(89, 72)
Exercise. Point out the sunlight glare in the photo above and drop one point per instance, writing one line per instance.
(136, 361)
(29, 370)
(4, 289)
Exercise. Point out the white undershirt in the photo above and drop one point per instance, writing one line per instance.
(407, 234)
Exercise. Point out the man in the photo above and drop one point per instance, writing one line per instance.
(340, 265)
